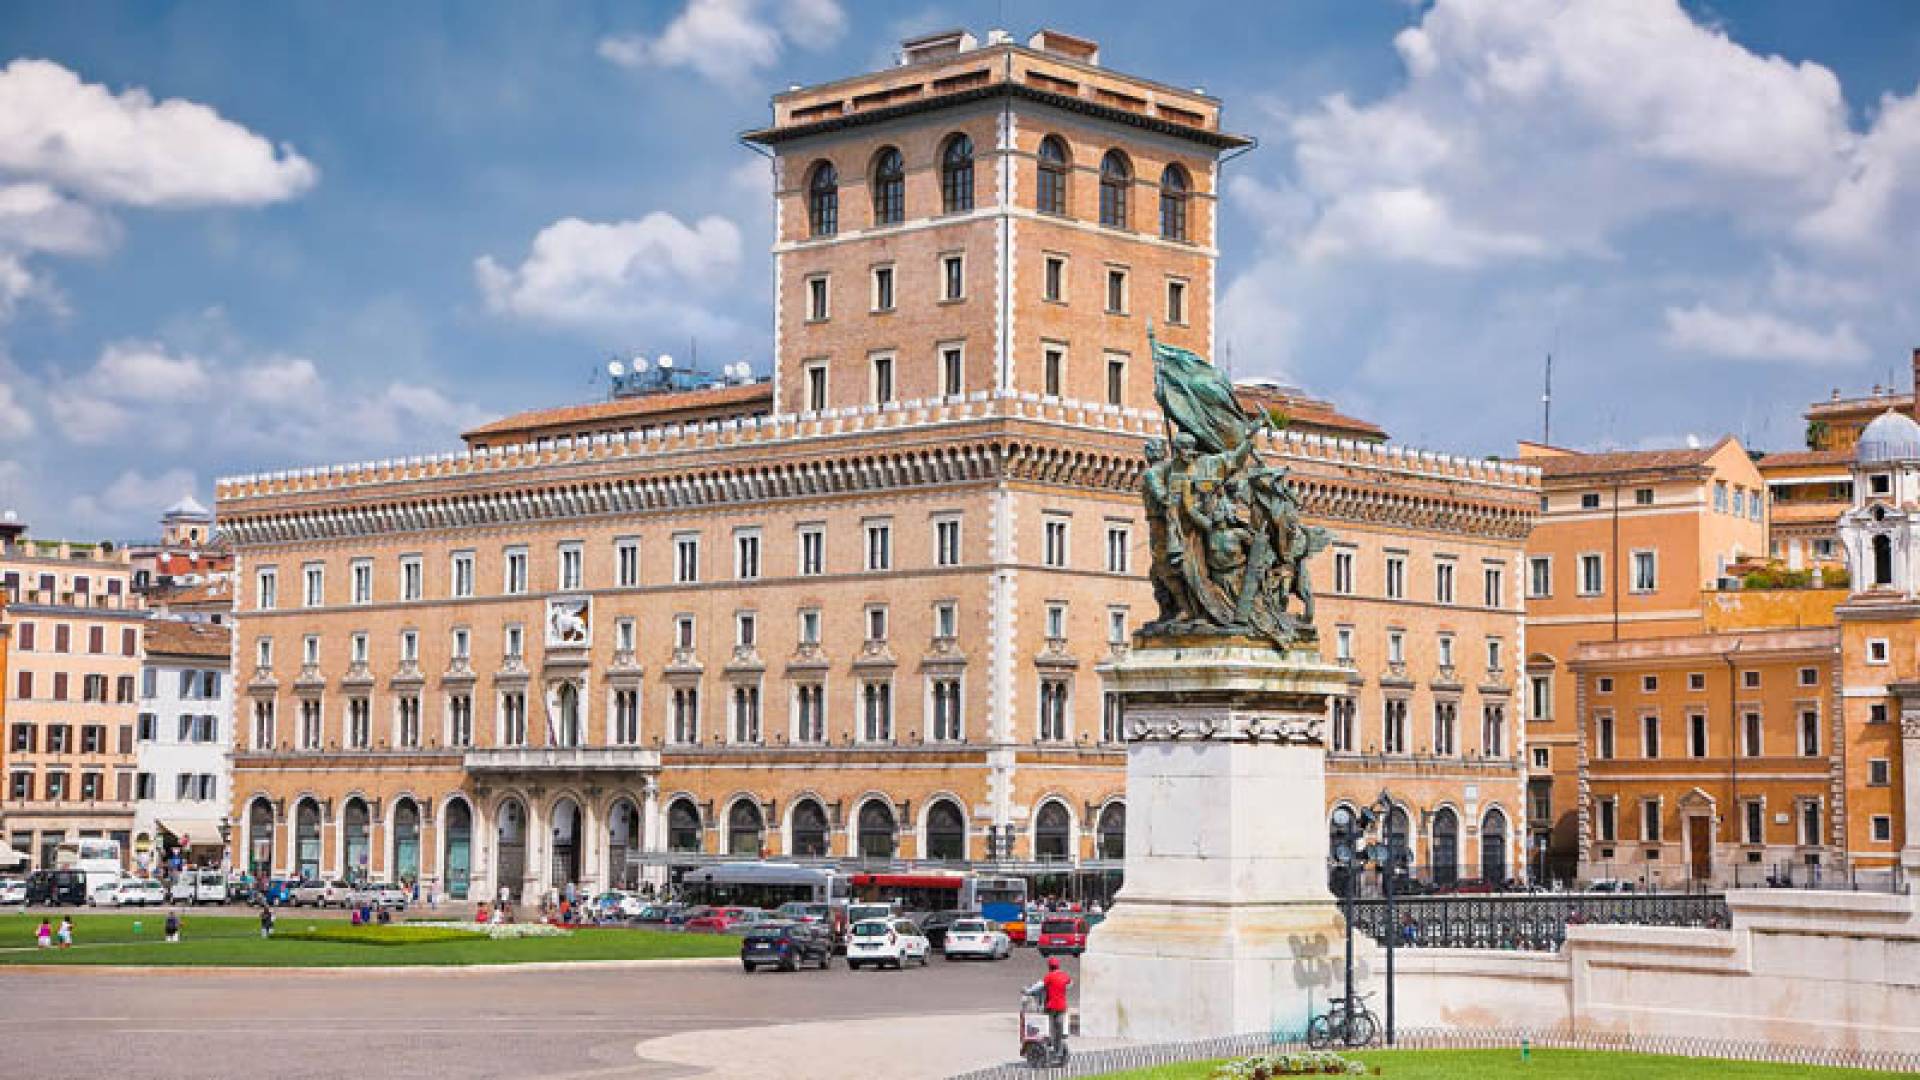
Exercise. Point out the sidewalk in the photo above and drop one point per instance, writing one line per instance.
(895, 1047)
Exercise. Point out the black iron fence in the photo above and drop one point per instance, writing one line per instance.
(1097, 1062)
(1527, 922)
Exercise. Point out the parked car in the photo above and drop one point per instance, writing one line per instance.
(199, 887)
(658, 914)
(56, 887)
(802, 911)
(279, 891)
(886, 942)
(1066, 934)
(13, 891)
(316, 893)
(379, 895)
(976, 937)
(717, 920)
(678, 920)
(786, 945)
(618, 904)
(146, 892)
(107, 893)
(1609, 885)
(934, 924)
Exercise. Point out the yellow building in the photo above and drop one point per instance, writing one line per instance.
(858, 612)
(1626, 546)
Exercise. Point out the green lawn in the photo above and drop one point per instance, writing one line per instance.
(1545, 1065)
(232, 941)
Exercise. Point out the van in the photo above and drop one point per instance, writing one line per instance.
(199, 887)
(50, 888)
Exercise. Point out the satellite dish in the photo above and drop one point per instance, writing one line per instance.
(616, 369)
(665, 361)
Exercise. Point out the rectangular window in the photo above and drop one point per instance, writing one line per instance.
(1882, 829)
(946, 620)
(1119, 547)
(876, 708)
(460, 720)
(357, 647)
(1603, 737)
(409, 646)
(683, 632)
(1810, 823)
(626, 562)
(882, 377)
(1343, 572)
(813, 550)
(1342, 710)
(1753, 822)
(412, 583)
(1445, 725)
(1053, 360)
(462, 643)
(515, 578)
(953, 277)
(572, 570)
(1116, 291)
(1809, 733)
(1876, 650)
(1394, 726)
(746, 628)
(359, 723)
(313, 592)
(809, 626)
(1809, 676)
(1493, 731)
(626, 717)
(1539, 577)
(1057, 621)
(1116, 626)
(1443, 581)
(263, 653)
(1396, 577)
(816, 387)
(882, 289)
(1645, 577)
(946, 710)
(1650, 821)
(879, 545)
(1116, 379)
(1495, 661)
(1753, 734)
(266, 589)
(1876, 712)
(1696, 681)
(746, 554)
(1054, 553)
(361, 581)
(686, 559)
(1396, 647)
(952, 370)
(625, 635)
(1053, 710)
(1879, 772)
(1176, 302)
(1609, 821)
(515, 644)
(876, 625)
(1696, 735)
(746, 714)
(817, 293)
(1592, 576)
(1053, 279)
(946, 542)
(1493, 590)
(1650, 737)
(513, 718)
(1649, 684)
(1750, 680)
(1590, 500)
(309, 651)
(809, 713)
(1643, 496)
(460, 573)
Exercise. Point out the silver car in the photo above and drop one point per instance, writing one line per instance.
(977, 938)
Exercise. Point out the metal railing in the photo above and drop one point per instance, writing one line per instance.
(1790, 875)
(1097, 1062)
(1528, 923)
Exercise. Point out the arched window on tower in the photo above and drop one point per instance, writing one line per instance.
(956, 175)
(823, 200)
(1882, 560)
(1116, 176)
(889, 188)
(1173, 203)
(1050, 195)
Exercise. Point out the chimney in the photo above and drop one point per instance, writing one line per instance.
(1085, 50)
(936, 46)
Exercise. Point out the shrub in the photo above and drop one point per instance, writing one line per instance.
(1310, 1063)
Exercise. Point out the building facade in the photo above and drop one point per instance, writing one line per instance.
(74, 659)
(864, 617)
(183, 742)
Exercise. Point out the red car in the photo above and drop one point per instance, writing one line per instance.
(716, 920)
(1060, 934)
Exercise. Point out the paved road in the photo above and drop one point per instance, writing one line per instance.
(493, 1022)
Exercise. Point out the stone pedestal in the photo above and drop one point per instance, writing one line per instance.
(1225, 925)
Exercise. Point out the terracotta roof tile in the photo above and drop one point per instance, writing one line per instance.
(170, 638)
(742, 394)
(1555, 466)
(1792, 458)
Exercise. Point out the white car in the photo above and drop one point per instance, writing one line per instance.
(145, 892)
(379, 895)
(13, 891)
(107, 894)
(619, 904)
(977, 938)
(886, 942)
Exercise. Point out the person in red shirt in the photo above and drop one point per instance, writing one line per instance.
(1053, 990)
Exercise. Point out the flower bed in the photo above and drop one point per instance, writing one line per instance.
(414, 934)
(500, 931)
(1309, 1063)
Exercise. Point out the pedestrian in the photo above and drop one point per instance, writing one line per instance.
(66, 933)
(45, 934)
(266, 921)
(480, 914)
(1052, 991)
(173, 926)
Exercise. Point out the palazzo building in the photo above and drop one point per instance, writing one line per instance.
(858, 611)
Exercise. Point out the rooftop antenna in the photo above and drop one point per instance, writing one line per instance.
(1546, 406)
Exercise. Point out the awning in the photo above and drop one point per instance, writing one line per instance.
(193, 832)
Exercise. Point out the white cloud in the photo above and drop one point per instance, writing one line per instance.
(729, 41)
(1880, 196)
(16, 422)
(598, 274)
(280, 381)
(135, 369)
(131, 502)
(35, 217)
(1758, 335)
(129, 148)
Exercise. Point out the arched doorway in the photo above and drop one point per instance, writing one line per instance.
(457, 864)
(1493, 846)
(746, 828)
(306, 840)
(510, 847)
(1446, 847)
(683, 826)
(1053, 832)
(260, 838)
(406, 842)
(623, 842)
(946, 832)
(809, 829)
(357, 836)
(565, 867)
(879, 835)
(1111, 835)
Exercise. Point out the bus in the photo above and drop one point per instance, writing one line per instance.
(1001, 899)
(95, 859)
(764, 885)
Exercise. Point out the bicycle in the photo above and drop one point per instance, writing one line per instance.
(1357, 1028)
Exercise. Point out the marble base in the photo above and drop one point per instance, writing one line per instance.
(1225, 925)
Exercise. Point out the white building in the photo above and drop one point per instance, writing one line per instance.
(183, 744)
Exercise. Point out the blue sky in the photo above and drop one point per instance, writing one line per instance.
(244, 236)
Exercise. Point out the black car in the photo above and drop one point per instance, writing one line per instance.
(51, 888)
(786, 946)
(934, 924)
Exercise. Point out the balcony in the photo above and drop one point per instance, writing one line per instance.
(561, 759)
